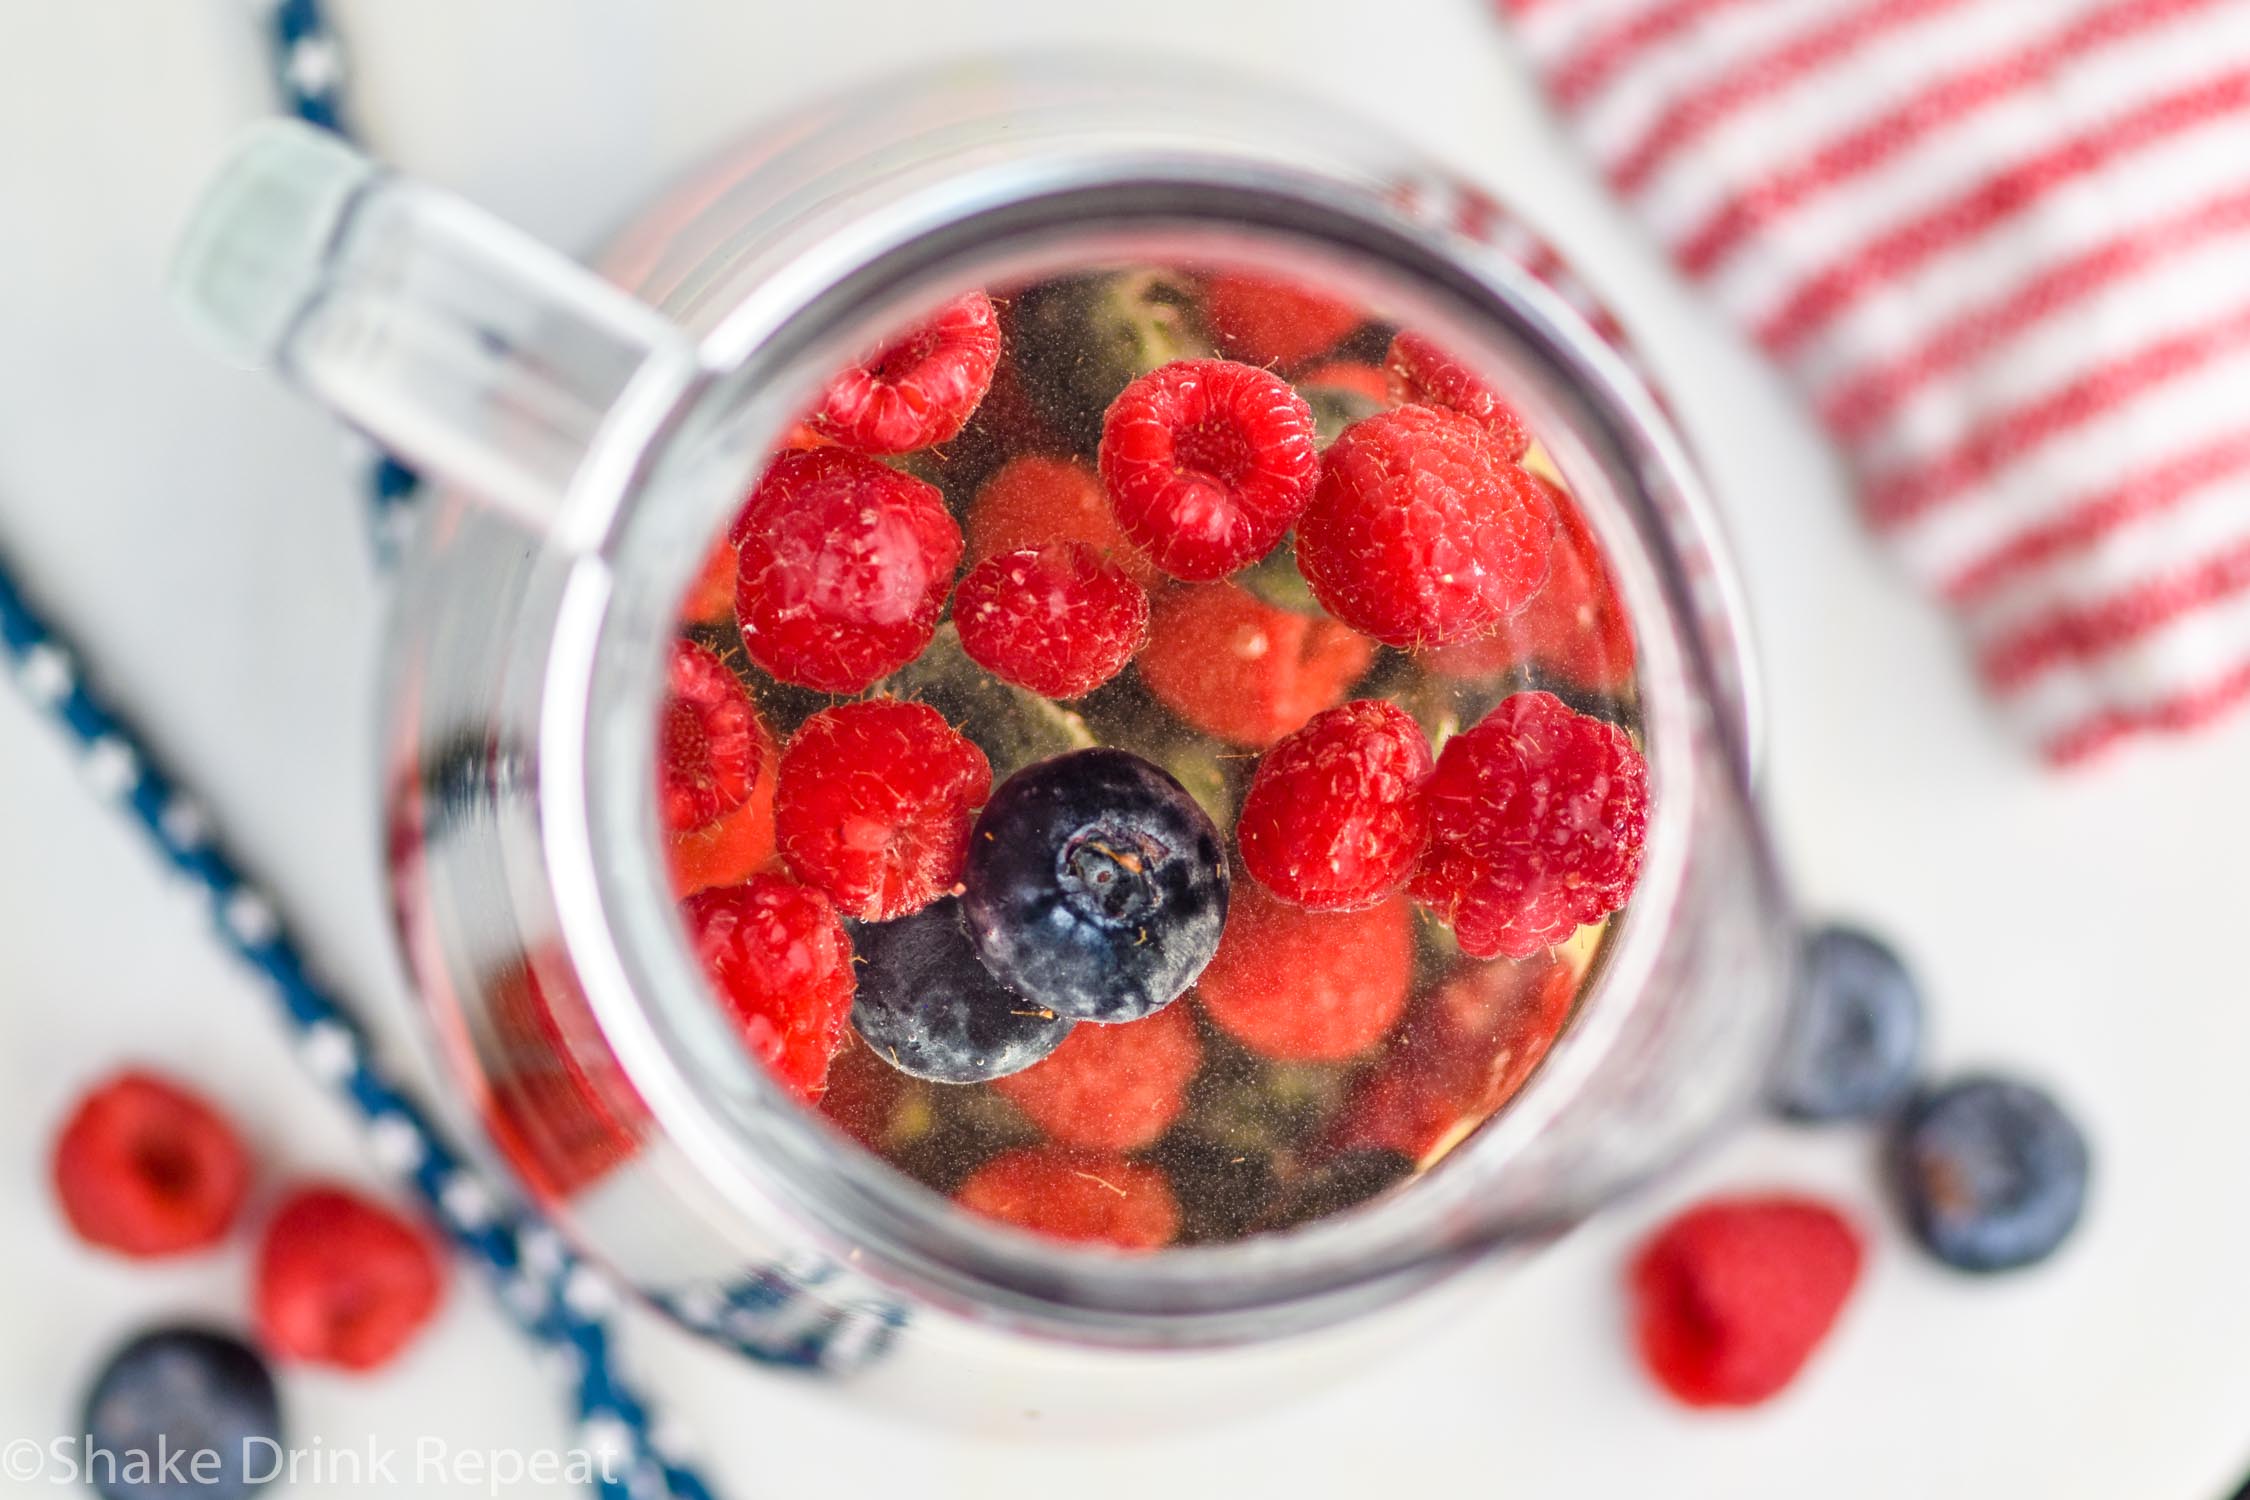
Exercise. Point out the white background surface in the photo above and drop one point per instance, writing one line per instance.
(196, 528)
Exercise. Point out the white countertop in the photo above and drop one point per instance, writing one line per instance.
(195, 527)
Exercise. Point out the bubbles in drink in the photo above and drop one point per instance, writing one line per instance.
(1207, 715)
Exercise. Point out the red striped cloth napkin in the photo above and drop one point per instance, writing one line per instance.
(2004, 248)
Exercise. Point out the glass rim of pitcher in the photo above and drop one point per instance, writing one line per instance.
(736, 1126)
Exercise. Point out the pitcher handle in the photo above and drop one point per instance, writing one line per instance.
(479, 355)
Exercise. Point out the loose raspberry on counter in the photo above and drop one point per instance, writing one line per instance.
(1422, 374)
(1084, 1197)
(1335, 817)
(1731, 1298)
(707, 742)
(1309, 986)
(1244, 670)
(1111, 1088)
(874, 805)
(1056, 619)
(1574, 629)
(1269, 321)
(1537, 820)
(146, 1168)
(1422, 532)
(343, 1281)
(782, 966)
(1208, 464)
(1032, 500)
(1465, 1050)
(920, 390)
(735, 845)
(846, 565)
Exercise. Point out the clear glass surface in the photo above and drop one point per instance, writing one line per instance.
(590, 448)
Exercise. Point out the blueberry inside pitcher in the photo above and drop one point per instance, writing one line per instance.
(1154, 754)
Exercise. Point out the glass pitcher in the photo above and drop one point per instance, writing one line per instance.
(586, 436)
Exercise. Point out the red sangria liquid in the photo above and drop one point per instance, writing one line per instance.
(1155, 756)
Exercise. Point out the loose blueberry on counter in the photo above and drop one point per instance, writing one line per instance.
(1990, 1172)
(181, 1391)
(1095, 886)
(927, 1003)
(1857, 1033)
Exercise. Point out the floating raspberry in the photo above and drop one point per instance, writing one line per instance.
(1111, 1088)
(875, 803)
(863, 1094)
(1574, 629)
(1422, 374)
(1481, 658)
(920, 390)
(735, 845)
(1731, 1298)
(1084, 1197)
(343, 1281)
(1422, 532)
(1309, 986)
(1537, 818)
(1055, 619)
(1267, 321)
(782, 966)
(1032, 500)
(1208, 464)
(146, 1168)
(1335, 818)
(1464, 1052)
(1244, 670)
(707, 751)
(710, 599)
(1364, 383)
(845, 567)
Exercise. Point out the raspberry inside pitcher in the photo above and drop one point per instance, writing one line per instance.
(1197, 712)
